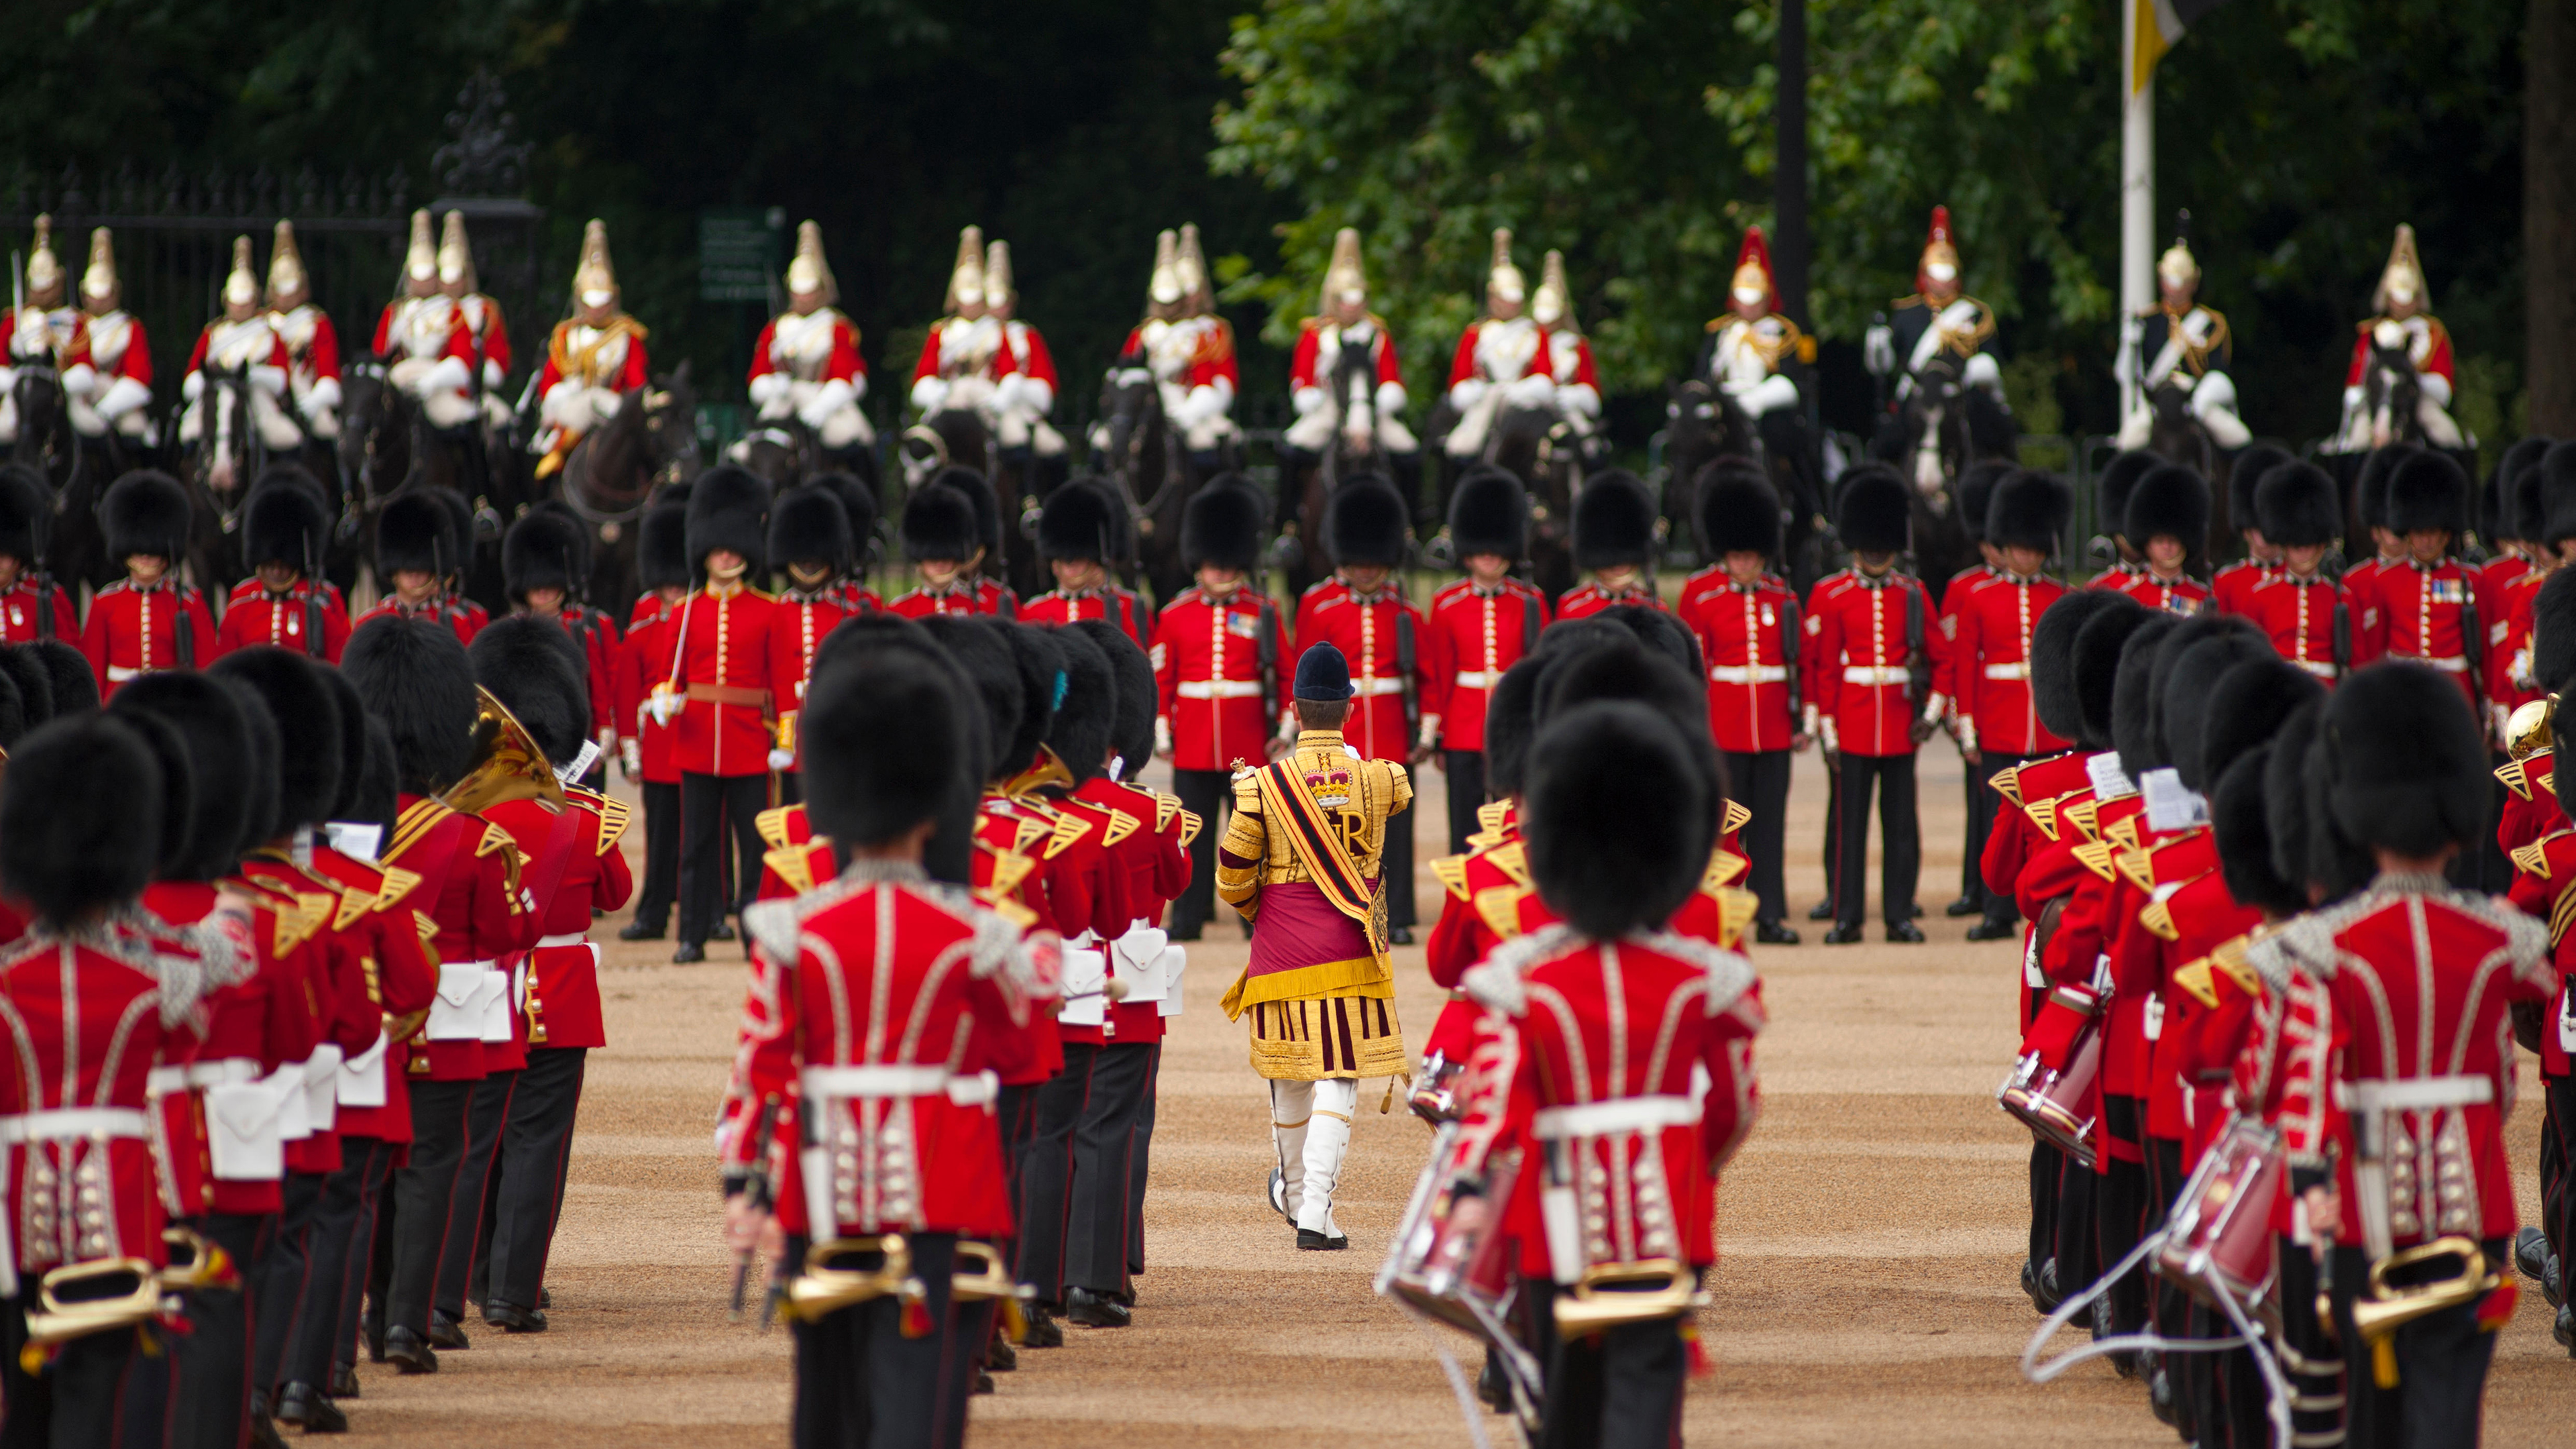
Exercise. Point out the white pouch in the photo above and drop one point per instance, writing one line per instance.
(492, 1006)
(1563, 1222)
(362, 1077)
(1175, 956)
(1137, 959)
(1086, 972)
(455, 1014)
(288, 1083)
(322, 1087)
(2566, 1021)
(242, 1139)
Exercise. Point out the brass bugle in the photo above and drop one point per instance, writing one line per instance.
(981, 1275)
(502, 763)
(825, 1287)
(1614, 1295)
(195, 1263)
(2529, 729)
(108, 1293)
(2382, 1308)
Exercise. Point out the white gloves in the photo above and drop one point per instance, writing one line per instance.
(633, 751)
(1537, 390)
(451, 375)
(768, 387)
(1465, 395)
(928, 394)
(1878, 350)
(1390, 397)
(1308, 400)
(1162, 734)
(828, 399)
(782, 759)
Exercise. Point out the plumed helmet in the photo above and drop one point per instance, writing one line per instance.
(145, 512)
(533, 667)
(727, 508)
(2428, 491)
(1614, 521)
(1489, 513)
(209, 718)
(2028, 509)
(1872, 510)
(308, 728)
(881, 742)
(1366, 522)
(1618, 818)
(2170, 502)
(1222, 524)
(1739, 510)
(2296, 507)
(80, 818)
(811, 525)
(414, 675)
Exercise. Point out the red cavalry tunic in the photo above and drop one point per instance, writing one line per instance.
(1865, 642)
(1381, 636)
(1989, 648)
(1216, 672)
(1474, 634)
(1750, 638)
(253, 615)
(134, 631)
(840, 361)
(721, 671)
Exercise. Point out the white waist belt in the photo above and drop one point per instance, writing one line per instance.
(567, 938)
(1479, 678)
(61, 1123)
(1620, 1114)
(2448, 663)
(2321, 668)
(1875, 674)
(2009, 671)
(1378, 686)
(165, 1080)
(901, 1081)
(2410, 1093)
(1749, 673)
(1220, 689)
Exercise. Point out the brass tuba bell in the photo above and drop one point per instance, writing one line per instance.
(1613, 1295)
(2381, 1309)
(504, 763)
(2529, 729)
(826, 1286)
(79, 1299)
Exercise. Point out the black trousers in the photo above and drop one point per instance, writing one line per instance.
(2190, 1377)
(2078, 1251)
(1901, 837)
(487, 1111)
(659, 890)
(1137, 1159)
(424, 1193)
(346, 1230)
(284, 1280)
(2442, 1361)
(1046, 1172)
(1983, 803)
(78, 1402)
(2123, 1207)
(1761, 780)
(1397, 871)
(2047, 1168)
(1104, 1142)
(525, 1197)
(1618, 1389)
(1466, 770)
(710, 805)
(214, 1365)
(1833, 842)
(1206, 794)
(2310, 1360)
(862, 1384)
(2557, 1158)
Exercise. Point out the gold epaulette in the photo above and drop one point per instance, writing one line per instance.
(2082, 815)
(790, 863)
(1191, 825)
(2230, 958)
(2195, 978)
(772, 825)
(2158, 918)
(1493, 814)
(1736, 815)
(2043, 813)
(2096, 855)
(1725, 868)
(2138, 867)
(398, 884)
(1499, 907)
(2122, 832)
(354, 905)
(496, 838)
(416, 820)
(1452, 872)
(1165, 806)
(1735, 911)
(1512, 859)
(2510, 772)
(2008, 785)
(2532, 859)
(1010, 868)
(2562, 912)
(613, 816)
(1069, 827)
(428, 929)
(1121, 825)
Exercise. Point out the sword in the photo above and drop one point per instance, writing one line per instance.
(761, 1191)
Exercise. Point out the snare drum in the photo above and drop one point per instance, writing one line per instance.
(2219, 1239)
(2060, 1106)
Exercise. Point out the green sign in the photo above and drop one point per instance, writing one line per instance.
(739, 248)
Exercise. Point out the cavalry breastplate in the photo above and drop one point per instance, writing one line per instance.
(802, 346)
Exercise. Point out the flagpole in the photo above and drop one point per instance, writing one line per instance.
(2137, 184)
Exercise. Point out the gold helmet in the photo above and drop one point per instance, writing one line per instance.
(1552, 305)
(2178, 268)
(966, 279)
(285, 265)
(2401, 282)
(1164, 290)
(1752, 280)
(809, 272)
(1503, 281)
(241, 284)
(1939, 265)
(456, 255)
(1196, 296)
(594, 281)
(420, 259)
(998, 292)
(1343, 277)
(44, 269)
(98, 280)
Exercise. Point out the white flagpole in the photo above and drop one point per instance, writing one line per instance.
(2137, 188)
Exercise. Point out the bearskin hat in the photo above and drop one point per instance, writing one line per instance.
(2428, 491)
(374, 799)
(2171, 501)
(2244, 476)
(145, 512)
(263, 816)
(1222, 524)
(209, 718)
(2553, 630)
(2376, 470)
(22, 505)
(1873, 511)
(415, 676)
(882, 743)
(726, 508)
(2133, 693)
(75, 685)
(856, 644)
(1629, 671)
(2244, 708)
(939, 526)
(541, 551)
(858, 505)
(1366, 522)
(13, 715)
(353, 739)
(1132, 732)
(1619, 817)
(1660, 632)
(2100, 646)
(2405, 768)
(80, 818)
(2240, 828)
(2052, 656)
(811, 525)
(1489, 513)
(977, 490)
(2512, 487)
(178, 800)
(2187, 671)
(460, 529)
(662, 544)
(1080, 522)
(1511, 718)
(1086, 722)
(2556, 479)
(2119, 479)
(983, 650)
(308, 728)
(284, 524)
(522, 661)
(1975, 491)
(2028, 509)
(1739, 511)
(1614, 521)
(2296, 507)
(413, 535)
(34, 683)
(1044, 686)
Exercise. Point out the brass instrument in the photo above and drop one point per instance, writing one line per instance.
(1613, 1295)
(196, 1263)
(982, 1276)
(826, 1287)
(2381, 1309)
(503, 763)
(107, 1294)
(2528, 730)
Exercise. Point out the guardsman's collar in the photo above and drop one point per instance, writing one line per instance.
(720, 590)
(1320, 739)
(1482, 592)
(819, 594)
(2032, 577)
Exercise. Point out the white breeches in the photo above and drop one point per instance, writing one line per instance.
(831, 411)
(276, 430)
(1769, 395)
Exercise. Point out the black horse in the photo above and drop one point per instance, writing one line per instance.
(612, 473)
(1943, 425)
(961, 437)
(76, 471)
(1703, 423)
(1139, 450)
(217, 468)
(2392, 395)
(1351, 394)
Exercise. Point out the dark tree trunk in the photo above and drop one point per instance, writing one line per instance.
(2549, 213)
(1789, 181)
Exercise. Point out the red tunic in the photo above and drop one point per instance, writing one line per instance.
(1217, 671)
(963, 596)
(470, 890)
(720, 667)
(2233, 586)
(1866, 643)
(2436, 614)
(137, 631)
(1117, 605)
(401, 975)
(1473, 635)
(1591, 599)
(1381, 636)
(255, 616)
(23, 619)
(796, 630)
(840, 362)
(2181, 594)
(1989, 626)
(574, 861)
(2314, 622)
(461, 618)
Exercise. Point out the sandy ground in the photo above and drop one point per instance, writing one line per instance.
(1870, 1235)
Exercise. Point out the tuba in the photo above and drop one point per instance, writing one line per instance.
(2382, 1308)
(504, 763)
(2528, 730)
(79, 1299)
(828, 1285)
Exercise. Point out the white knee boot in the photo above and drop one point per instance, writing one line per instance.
(1328, 1136)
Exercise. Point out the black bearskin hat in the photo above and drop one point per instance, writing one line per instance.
(2405, 767)
(23, 502)
(1872, 510)
(1222, 524)
(282, 523)
(1086, 722)
(414, 675)
(2557, 487)
(2133, 690)
(178, 799)
(856, 644)
(2296, 507)
(1511, 718)
(35, 684)
(882, 739)
(2376, 471)
(145, 513)
(2240, 827)
(2100, 644)
(542, 551)
(1045, 684)
(262, 819)
(13, 715)
(522, 661)
(2187, 672)
(1975, 491)
(2510, 490)
(375, 799)
(983, 650)
(2244, 476)
(1619, 818)
(413, 534)
(2119, 479)
(1614, 521)
(858, 505)
(2245, 708)
(662, 543)
(1660, 632)
(80, 818)
(939, 525)
(2428, 491)
(1132, 733)
(1489, 513)
(727, 506)
(209, 717)
(1739, 511)
(811, 525)
(2028, 509)
(353, 741)
(460, 529)
(308, 728)
(1366, 522)
(2171, 501)
(2553, 630)
(1080, 522)
(977, 490)
(75, 684)
(2052, 656)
